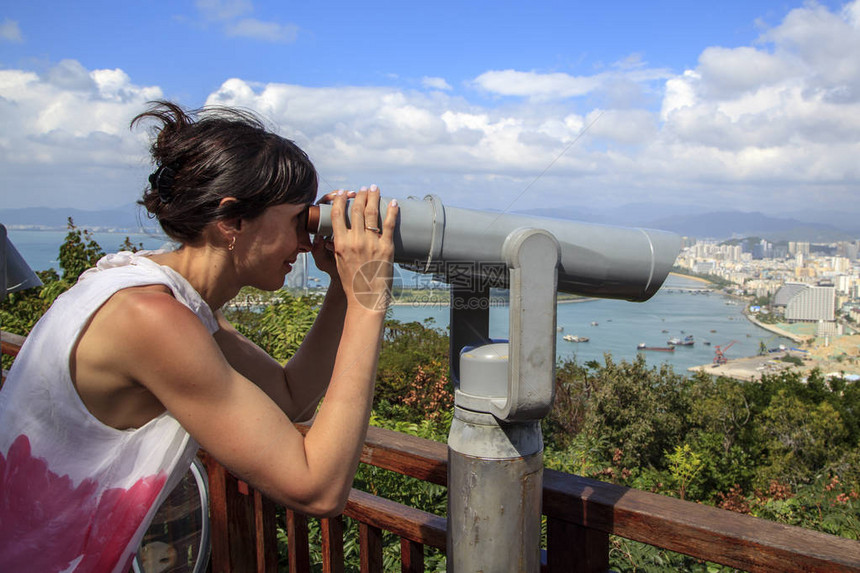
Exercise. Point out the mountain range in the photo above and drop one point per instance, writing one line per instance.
(814, 227)
(128, 218)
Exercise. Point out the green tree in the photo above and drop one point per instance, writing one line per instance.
(412, 377)
(639, 410)
(684, 466)
(78, 252)
(127, 245)
(801, 438)
(276, 322)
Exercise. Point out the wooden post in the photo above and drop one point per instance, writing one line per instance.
(573, 548)
(370, 547)
(332, 544)
(218, 518)
(411, 556)
(297, 541)
(265, 534)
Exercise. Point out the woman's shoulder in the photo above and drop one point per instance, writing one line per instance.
(141, 327)
(146, 307)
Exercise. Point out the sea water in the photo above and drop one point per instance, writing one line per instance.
(620, 325)
(617, 327)
(41, 248)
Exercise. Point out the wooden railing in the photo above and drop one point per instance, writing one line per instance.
(581, 514)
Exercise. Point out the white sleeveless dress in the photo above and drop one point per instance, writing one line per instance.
(77, 495)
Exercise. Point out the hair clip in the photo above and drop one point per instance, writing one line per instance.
(162, 182)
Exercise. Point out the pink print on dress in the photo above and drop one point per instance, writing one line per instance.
(46, 523)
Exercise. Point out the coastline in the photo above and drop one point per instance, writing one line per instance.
(691, 277)
(776, 330)
(446, 301)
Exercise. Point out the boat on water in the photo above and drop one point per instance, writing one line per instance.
(594, 323)
(686, 341)
(575, 338)
(643, 346)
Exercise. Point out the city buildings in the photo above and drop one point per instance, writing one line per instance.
(803, 281)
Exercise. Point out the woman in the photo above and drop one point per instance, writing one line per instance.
(134, 367)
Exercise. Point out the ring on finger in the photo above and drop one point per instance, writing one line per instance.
(374, 229)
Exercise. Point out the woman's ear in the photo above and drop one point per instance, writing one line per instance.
(232, 225)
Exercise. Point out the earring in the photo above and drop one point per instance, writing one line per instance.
(232, 244)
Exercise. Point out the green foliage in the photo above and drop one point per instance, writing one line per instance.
(277, 322)
(636, 409)
(78, 253)
(792, 360)
(801, 439)
(127, 245)
(20, 311)
(412, 377)
(754, 447)
(684, 466)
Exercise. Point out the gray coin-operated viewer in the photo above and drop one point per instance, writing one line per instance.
(15, 274)
(504, 389)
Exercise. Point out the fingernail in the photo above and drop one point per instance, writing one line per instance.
(374, 187)
(393, 203)
(340, 191)
(363, 189)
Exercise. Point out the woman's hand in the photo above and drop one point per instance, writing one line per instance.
(364, 252)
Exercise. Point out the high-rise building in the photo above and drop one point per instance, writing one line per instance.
(807, 303)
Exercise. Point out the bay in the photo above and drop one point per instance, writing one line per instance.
(621, 325)
(41, 248)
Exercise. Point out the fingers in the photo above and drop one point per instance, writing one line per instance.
(357, 211)
(364, 213)
(390, 218)
(371, 210)
(338, 212)
(329, 197)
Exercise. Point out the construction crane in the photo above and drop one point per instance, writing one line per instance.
(720, 352)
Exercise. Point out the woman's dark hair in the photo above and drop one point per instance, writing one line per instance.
(206, 155)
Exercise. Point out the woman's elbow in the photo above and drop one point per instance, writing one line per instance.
(332, 510)
(320, 504)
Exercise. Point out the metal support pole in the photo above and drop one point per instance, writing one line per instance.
(495, 477)
(495, 446)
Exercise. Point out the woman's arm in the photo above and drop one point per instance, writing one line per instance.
(297, 387)
(300, 385)
(161, 345)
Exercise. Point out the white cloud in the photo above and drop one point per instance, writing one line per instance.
(734, 71)
(623, 87)
(784, 113)
(763, 126)
(65, 139)
(436, 83)
(224, 10)
(265, 31)
(234, 16)
(535, 85)
(10, 31)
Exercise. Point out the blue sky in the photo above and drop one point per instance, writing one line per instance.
(733, 105)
